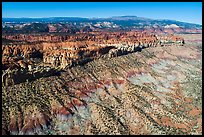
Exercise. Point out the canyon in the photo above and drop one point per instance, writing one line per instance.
(134, 82)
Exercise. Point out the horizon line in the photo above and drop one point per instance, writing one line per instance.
(99, 17)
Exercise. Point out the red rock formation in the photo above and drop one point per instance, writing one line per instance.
(84, 45)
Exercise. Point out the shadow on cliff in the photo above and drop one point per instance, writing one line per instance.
(24, 76)
(137, 49)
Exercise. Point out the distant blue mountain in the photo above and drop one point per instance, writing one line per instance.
(115, 18)
(74, 24)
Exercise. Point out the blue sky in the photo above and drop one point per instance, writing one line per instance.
(181, 11)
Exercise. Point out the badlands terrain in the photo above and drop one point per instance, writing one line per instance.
(102, 83)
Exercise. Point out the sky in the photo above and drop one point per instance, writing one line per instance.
(181, 11)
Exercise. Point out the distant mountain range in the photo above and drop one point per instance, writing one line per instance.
(63, 24)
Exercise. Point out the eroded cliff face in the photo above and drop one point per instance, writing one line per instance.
(81, 47)
(36, 60)
(155, 91)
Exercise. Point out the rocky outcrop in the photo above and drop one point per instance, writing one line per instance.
(86, 46)
(67, 54)
(26, 51)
